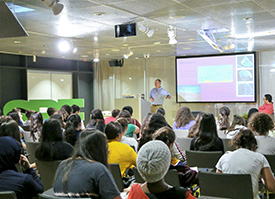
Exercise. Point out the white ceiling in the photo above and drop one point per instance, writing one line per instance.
(80, 25)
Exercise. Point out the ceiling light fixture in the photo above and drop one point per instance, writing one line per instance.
(145, 28)
(54, 5)
(64, 46)
(96, 56)
(129, 54)
(74, 50)
(250, 44)
(172, 35)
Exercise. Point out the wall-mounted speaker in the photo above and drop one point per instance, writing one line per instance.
(116, 63)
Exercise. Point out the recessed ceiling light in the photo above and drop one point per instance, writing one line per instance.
(125, 44)
(90, 52)
(191, 39)
(17, 42)
(136, 58)
(95, 38)
(99, 13)
(64, 46)
(107, 54)
(115, 50)
(84, 56)
(43, 52)
(177, 17)
(74, 50)
(186, 48)
(158, 50)
(19, 52)
(157, 43)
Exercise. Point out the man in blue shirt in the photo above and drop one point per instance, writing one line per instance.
(157, 96)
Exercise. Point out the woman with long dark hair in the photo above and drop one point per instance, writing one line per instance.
(97, 120)
(73, 128)
(207, 139)
(224, 122)
(238, 123)
(52, 146)
(86, 173)
(36, 126)
(184, 119)
(194, 130)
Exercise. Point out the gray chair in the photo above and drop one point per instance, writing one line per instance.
(203, 159)
(226, 144)
(184, 143)
(116, 173)
(171, 177)
(47, 171)
(49, 194)
(271, 160)
(235, 186)
(7, 195)
(31, 147)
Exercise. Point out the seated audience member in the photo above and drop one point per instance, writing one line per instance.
(112, 118)
(133, 121)
(51, 111)
(184, 119)
(16, 116)
(267, 107)
(261, 124)
(250, 113)
(73, 129)
(156, 122)
(28, 115)
(76, 110)
(64, 115)
(96, 121)
(194, 130)
(36, 126)
(52, 146)
(25, 185)
(59, 119)
(161, 111)
(245, 160)
(126, 140)
(132, 129)
(86, 173)
(238, 123)
(153, 162)
(119, 152)
(207, 139)
(186, 175)
(68, 109)
(224, 122)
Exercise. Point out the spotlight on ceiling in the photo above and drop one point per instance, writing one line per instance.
(74, 50)
(64, 45)
(250, 44)
(129, 54)
(148, 31)
(172, 35)
(96, 56)
(54, 5)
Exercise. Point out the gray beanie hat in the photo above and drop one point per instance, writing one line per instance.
(153, 161)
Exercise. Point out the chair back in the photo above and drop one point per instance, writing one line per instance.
(184, 143)
(170, 178)
(7, 195)
(203, 159)
(181, 133)
(115, 171)
(235, 186)
(47, 171)
(271, 160)
(227, 146)
(49, 194)
(31, 147)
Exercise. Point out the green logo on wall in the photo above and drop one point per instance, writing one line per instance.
(42, 105)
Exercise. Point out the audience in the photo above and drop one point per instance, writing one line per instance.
(245, 160)
(112, 118)
(73, 129)
(153, 162)
(194, 130)
(238, 123)
(28, 115)
(36, 126)
(261, 124)
(224, 122)
(184, 119)
(126, 140)
(119, 152)
(132, 121)
(76, 110)
(161, 111)
(86, 173)
(267, 107)
(25, 185)
(97, 120)
(67, 108)
(186, 175)
(52, 146)
(250, 113)
(145, 122)
(207, 139)
(132, 129)
(51, 111)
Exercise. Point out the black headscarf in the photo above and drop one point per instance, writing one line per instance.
(9, 153)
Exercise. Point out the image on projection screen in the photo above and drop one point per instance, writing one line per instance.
(222, 78)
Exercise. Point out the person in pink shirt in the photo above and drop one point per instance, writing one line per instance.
(267, 107)
(112, 118)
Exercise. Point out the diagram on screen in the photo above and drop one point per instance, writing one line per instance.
(215, 74)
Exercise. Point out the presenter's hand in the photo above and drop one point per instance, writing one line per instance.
(168, 97)
(152, 99)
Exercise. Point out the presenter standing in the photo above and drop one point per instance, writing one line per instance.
(157, 96)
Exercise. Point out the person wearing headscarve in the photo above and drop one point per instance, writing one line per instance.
(25, 185)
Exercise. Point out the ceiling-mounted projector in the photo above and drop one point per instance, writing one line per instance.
(55, 5)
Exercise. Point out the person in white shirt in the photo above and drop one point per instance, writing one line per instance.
(245, 160)
(261, 124)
